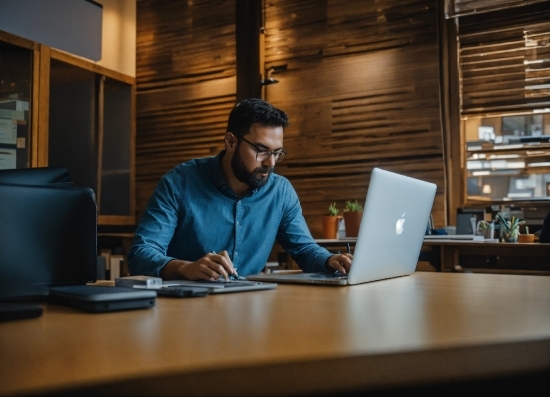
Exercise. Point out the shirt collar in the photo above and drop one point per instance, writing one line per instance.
(215, 170)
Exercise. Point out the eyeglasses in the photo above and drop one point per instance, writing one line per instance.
(263, 155)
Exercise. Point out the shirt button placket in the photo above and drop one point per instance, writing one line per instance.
(238, 232)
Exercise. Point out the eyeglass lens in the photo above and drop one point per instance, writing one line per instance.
(262, 155)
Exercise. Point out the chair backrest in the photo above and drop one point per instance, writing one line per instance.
(545, 231)
(37, 176)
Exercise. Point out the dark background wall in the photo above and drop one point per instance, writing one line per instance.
(359, 80)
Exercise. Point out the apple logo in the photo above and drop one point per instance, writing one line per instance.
(399, 225)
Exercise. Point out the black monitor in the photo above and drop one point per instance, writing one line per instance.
(48, 236)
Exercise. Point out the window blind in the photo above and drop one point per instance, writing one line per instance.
(456, 8)
(504, 60)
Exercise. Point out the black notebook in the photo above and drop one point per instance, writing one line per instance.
(96, 299)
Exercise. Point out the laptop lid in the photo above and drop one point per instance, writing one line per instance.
(396, 212)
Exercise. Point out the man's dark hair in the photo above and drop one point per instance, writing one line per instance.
(254, 110)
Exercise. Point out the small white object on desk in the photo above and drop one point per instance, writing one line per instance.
(139, 282)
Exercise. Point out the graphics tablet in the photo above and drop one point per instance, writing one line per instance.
(222, 287)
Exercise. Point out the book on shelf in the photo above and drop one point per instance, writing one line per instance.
(14, 104)
(14, 115)
(8, 132)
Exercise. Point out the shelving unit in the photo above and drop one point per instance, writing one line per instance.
(78, 114)
(508, 160)
(15, 96)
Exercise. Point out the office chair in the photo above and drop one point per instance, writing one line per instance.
(545, 231)
(37, 176)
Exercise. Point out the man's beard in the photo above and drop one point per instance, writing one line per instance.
(242, 174)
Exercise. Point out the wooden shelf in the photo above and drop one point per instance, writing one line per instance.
(82, 116)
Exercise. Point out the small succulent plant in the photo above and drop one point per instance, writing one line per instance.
(333, 210)
(353, 206)
(484, 225)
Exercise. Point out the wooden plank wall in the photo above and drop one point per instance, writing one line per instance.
(186, 85)
(359, 80)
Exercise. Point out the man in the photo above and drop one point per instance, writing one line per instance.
(214, 217)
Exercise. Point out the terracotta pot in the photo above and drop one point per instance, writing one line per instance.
(352, 220)
(526, 238)
(330, 226)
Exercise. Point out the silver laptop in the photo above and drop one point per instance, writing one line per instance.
(395, 218)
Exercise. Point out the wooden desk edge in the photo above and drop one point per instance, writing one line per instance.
(345, 374)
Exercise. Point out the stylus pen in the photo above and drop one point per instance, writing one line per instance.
(349, 249)
(233, 274)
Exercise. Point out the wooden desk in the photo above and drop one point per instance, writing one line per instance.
(420, 329)
(472, 256)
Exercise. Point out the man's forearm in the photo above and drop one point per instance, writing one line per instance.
(173, 269)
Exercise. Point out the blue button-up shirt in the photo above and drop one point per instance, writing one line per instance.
(193, 212)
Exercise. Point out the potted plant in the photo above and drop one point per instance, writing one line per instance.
(352, 218)
(526, 237)
(485, 229)
(331, 222)
(510, 229)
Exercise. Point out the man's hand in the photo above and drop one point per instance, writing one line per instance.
(209, 267)
(340, 262)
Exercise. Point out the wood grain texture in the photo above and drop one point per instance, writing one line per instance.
(186, 85)
(359, 80)
(422, 329)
